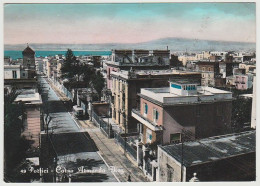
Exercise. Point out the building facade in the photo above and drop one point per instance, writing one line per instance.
(209, 71)
(220, 158)
(12, 71)
(182, 110)
(32, 119)
(243, 82)
(127, 84)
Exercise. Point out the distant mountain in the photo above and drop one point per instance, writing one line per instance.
(174, 44)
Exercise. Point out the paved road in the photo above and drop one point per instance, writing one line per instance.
(113, 155)
(77, 152)
(61, 120)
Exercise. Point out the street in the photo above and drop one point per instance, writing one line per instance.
(75, 149)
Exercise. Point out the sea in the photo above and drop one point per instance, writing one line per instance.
(15, 54)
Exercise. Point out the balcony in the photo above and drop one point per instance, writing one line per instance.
(138, 116)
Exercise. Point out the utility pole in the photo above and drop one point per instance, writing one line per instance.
(109, 132)
(182, 157)
(54, 169)
(125, 130)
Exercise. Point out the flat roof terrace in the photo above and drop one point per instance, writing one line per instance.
(29, 96)
(163, 96)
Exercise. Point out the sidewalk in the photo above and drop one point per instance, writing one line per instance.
(112, 155)
(61, 95)
(109, 150)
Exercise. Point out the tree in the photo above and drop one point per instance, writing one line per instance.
(15, 146)
(98, 83)
(75, 72)
(174, 61)
(67, 64)
(241, 113)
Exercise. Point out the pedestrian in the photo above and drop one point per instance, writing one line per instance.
(129, 178)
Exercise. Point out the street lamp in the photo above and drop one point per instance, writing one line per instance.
(109, 113)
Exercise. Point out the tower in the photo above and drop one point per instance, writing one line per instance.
(28, 58)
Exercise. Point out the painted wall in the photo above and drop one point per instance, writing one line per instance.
(165, 164)
(8, 73)
(33, 125)
(203, 120)
(150, 113)
(109, 79)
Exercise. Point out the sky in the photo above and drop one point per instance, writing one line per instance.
(128, 23)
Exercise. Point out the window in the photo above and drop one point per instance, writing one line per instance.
(209, 69)
(175, 138)
(175, 86)
(155, 115)
(148, 135)
(14, 74)
(145, 109)
(170, 172)
(203, 68)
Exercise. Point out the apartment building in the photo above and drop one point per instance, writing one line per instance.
(127, 84)
(136, 60)
(12, 71)
(209, 71)
(166, 114)
(243, 81)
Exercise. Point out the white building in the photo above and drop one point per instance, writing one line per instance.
(12, 71)
(253, 114)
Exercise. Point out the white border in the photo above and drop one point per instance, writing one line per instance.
(128, 1)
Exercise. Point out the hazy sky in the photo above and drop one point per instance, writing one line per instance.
(127, 23)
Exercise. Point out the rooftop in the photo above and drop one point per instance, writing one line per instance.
(11, 66)
(29, 97)
(141, 73)
(164, 97)
(213, 148)
(28, 50)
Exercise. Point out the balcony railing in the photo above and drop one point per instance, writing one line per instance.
(146, 121)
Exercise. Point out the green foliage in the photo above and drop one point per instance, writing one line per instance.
(174, 62)
(66, 68)
(15, 146)
(241, 113)
(81, 75)
(98, 83)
